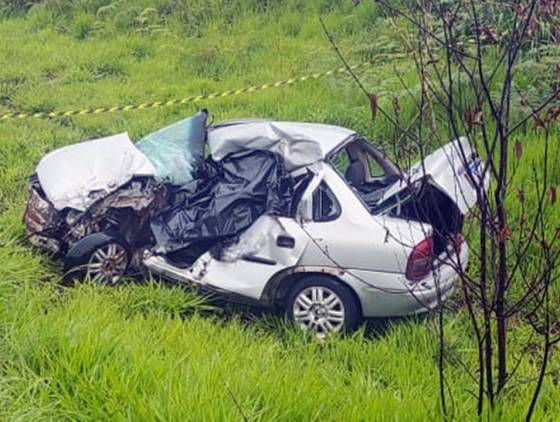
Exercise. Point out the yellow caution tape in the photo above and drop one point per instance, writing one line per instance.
(187, 100)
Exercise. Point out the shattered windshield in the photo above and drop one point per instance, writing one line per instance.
(176, 150)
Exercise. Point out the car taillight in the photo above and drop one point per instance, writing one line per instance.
(420, 260)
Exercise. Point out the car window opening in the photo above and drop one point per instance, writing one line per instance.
(366, 170)
(325, 205)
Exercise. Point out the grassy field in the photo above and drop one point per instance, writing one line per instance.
(151, 352)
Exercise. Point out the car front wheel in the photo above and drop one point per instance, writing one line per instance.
(102, 257)
(323, 306)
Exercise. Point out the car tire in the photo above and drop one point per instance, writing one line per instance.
(103, 257)
(323, 306)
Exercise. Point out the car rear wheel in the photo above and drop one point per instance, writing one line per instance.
(323, 306)
(102, 257)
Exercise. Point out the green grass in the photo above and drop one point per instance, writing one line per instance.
(153, 352)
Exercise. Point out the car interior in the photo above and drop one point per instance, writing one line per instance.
(366, 169)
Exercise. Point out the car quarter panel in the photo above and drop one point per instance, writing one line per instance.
(357, 239)
(380, 301)
(384, 294)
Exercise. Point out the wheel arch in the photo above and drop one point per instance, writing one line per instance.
(279, 286)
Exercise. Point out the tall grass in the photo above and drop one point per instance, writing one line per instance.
(153, 352)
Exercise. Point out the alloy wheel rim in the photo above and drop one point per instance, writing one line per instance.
(107, 264)
(320, 310)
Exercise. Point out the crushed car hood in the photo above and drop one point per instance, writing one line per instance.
(448, 169)
(77, 175)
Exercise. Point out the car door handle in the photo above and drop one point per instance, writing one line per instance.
(285, 242)
(258, 260)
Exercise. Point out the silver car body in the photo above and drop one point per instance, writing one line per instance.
(368, 252)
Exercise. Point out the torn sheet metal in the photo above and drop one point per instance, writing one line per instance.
(300, 144)
(177, 150)
(247, 266)
(78, 175)
(40, 216)
(142, 195)
(225, 201)
(259, 240)
(137, 199)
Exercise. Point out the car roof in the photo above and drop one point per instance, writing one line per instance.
(243, 132)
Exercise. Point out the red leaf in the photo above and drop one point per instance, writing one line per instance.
(396, 105)
(552, 114)
(521, 195)
(373, 105)
(553, 195)
(519, 10)
(469, 118)
(518, 149)
(504, 234)
(450, 19)
(538, 122)
(489, 33)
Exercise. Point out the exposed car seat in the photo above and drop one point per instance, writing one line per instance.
(371, 191)
(356, 173)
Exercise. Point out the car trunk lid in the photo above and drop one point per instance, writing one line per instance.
(439, 190)
(454, 169)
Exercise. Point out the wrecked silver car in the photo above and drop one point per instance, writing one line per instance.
(308, 218)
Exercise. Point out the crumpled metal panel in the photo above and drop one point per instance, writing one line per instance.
(299, 144)
(78, 175)
(137, 196)
(246, 267)
(40, 215)
(142, 196)
(260, 240)
(52, 230)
